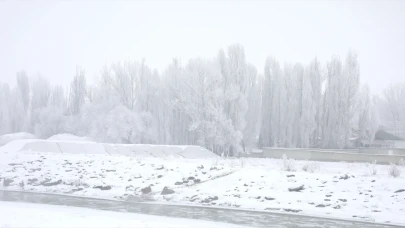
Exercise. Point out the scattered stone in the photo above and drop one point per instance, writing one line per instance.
(103, 187)
(400, 190)
(14, 164)
(272, 209)
(146, 190)
(343, 200)
(297, 189)
(197, 181)
(337, 207)
(21, 184)
(52, 183)
(269, 198)
(245, 185)
(291, 210)
(191, 178)
(31, 181)
(110, 170)
(167, 191)
(373, 181)
(258, 197)
(327, 199)
(320, 205)
(345, 177)
(34, 170)
(209, 199)
(292, 175)
(159, 176)
(77, 189)
(178, 183)
(200, 167)
(204, 172)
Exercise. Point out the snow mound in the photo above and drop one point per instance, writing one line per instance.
(83, 147)
(158, 151)
(16, 145)
(69, 137)
(4, 139)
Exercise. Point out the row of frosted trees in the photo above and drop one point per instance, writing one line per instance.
(222, 103)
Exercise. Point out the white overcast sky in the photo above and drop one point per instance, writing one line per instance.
(53, 37)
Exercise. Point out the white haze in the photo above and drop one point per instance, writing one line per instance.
(52, 37)
(226, 76)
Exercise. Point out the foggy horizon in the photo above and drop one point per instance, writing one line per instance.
(227, 114)
(52, 38)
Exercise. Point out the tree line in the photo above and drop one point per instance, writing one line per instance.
(222, 103)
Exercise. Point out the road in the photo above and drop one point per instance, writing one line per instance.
(251, 218)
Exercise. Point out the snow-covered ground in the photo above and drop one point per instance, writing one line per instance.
(37, 215)
(342, 190)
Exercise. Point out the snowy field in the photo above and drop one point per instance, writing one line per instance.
(37, 215)
(342, 190)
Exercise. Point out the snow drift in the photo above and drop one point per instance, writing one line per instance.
(4, 139)
(69, 137)
(83, 147)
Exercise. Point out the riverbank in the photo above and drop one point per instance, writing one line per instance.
(342, 190)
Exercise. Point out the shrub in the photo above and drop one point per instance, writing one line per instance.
(288, 164)
(401, 162)
(372, 168)
(311, 167)
(394, 171)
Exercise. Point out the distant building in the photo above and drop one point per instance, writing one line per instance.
(383, 139)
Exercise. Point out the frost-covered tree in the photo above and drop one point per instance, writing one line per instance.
(23, 87)
(313, 72)
(393, 108)
(252, 118)
(17, 118)
(350, 96)
(266, 137)
(340, 102)
(368, 116)
(77, 92)
(332, 132)
(5, 114)
(57, 98)
(308, 124)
